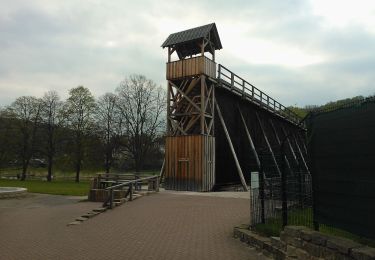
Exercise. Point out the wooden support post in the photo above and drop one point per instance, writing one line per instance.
(290, 146)
(162, 171)
(131, 191)
(252, 146)
(303, 159)
(202, 108)
(279, 143)
(244, 185)
(268, 145)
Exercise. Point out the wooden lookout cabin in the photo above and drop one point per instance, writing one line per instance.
(201, 153)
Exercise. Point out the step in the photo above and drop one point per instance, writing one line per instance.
(99, 209)
(90, 214)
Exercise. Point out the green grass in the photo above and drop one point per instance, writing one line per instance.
(303, 217)
(54, 187)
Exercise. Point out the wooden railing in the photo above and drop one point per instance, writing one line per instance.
(191, 67)
(238, 85)
(153, 184)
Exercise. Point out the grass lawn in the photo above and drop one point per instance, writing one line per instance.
(55, 187)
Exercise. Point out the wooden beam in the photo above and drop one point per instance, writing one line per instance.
(268, 144)
(240, 174)
(252, 146)
(186, 97)
(302, 157)
(279, 143)
(203, 82)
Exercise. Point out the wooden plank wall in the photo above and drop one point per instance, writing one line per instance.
(190, 163)
(191, 67)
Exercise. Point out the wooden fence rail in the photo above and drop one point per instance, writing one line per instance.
(245, 89)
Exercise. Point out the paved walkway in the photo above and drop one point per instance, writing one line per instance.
(166, 225)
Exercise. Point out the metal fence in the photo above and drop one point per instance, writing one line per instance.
(279, 201)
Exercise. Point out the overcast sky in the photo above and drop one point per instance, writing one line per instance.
(300, 52)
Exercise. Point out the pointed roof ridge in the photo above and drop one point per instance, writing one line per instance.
(194, 34)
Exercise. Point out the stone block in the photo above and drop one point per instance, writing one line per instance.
(312, 249)
(267, 246)
(279, 254)
(99, 209)
(297, 242)
(293, 231)
(277, 243)
(291, 251)
(74, 223)
(284, 237)
(319, 239)
(306, 234)
(301, 254)
(341, 244)
(363, 253)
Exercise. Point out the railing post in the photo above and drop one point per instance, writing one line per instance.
(231, 81)
(252, 92)
(111, 198)
(243, 88)
(157, 184)
(131, 192)
(219, 72)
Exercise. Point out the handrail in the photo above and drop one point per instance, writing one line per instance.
(130, 183)
(255, 95)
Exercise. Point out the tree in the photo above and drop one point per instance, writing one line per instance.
(79, 109)
(142, 106)
(52, 119)
(109, 124)
(26, 111)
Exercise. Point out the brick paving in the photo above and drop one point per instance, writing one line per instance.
(160, 226)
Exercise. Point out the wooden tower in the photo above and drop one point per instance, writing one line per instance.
(190, 142)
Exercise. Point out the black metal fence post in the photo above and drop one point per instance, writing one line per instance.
(261, 194)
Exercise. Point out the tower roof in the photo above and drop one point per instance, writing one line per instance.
(186, 41)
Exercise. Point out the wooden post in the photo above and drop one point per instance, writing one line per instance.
(244, 185)
(279, 143)
(268, 144)
(131, 191)
(252, 146)
(303, 159)
(202, 112)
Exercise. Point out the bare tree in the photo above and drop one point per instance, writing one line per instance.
(109, 124)
(79, 109)
(26, 111)
(52, 119)
(142, 105)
